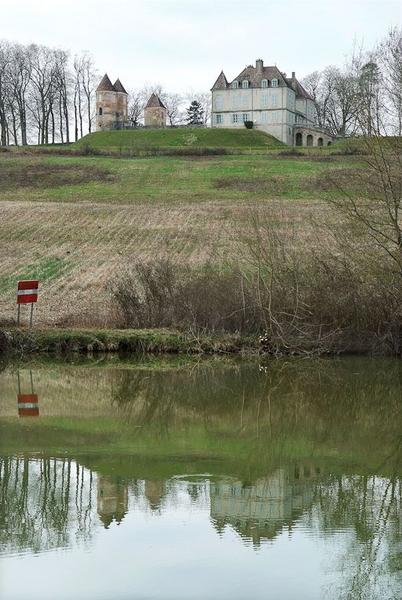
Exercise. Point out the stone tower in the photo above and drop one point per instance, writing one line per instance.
(111, 105)
(155, 112)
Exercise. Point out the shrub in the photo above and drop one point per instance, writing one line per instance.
(248, 124)
(162, 294)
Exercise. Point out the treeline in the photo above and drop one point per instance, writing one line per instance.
(48, 97)
(365, 94)
(45, 96)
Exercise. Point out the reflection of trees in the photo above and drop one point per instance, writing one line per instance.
(44, 502)
(370, 507)
(344, 404)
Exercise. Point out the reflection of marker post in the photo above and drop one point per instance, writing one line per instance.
(28, 404)
(27, 293)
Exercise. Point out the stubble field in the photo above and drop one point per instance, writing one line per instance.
(76, 222)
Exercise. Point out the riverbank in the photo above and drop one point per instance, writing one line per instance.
(153, 341)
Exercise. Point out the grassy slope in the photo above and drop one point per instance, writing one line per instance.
(181, 137)
(74, 222)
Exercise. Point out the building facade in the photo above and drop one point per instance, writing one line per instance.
(111, 105)
(276, 104)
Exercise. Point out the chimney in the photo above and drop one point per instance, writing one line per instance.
(259, 65)
(293, 75)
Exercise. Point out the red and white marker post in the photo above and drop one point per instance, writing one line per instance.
(27, 293)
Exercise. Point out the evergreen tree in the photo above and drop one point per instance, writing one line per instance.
(195, 114)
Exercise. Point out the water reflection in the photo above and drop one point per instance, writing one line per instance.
(260, 510)
(112, 501)
(249, 459)
(28, 403)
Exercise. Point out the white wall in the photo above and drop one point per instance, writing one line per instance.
(271, 109)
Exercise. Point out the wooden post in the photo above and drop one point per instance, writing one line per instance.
(18, 314)
(31, 317)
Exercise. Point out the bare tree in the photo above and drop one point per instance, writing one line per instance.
(19, 75)
(78, 98)
(4, 65)
(390, 59)
(372, 199)
(173, 103)
(319, 86)
(89, 77)
(42, 89)
(136, 103)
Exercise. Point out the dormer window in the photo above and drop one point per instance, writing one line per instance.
(100, 111)
(244, 84)
(264, 83)
(274, 83)
(235, 85)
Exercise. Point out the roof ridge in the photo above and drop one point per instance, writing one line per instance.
(105, 85)
(154, 101)
(119, 87)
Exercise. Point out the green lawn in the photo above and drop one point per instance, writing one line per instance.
(181, 137)
(165, 179)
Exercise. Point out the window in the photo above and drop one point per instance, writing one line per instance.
(218, 102)
(235, 85)
(219, 119)
(236, 101)
(235, 118)
(264, 116)
(274, 99)
(100, 111)
(264, 83)
(244, 84)
(264, 100)
(245, 117)
(274, 83)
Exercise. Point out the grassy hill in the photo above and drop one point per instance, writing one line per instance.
(75, 221)
(180, 138)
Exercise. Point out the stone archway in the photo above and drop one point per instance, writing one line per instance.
(320, 141)
(299, 139)
(310, 140)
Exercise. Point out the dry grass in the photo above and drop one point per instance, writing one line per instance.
(80, 247)
(74, 223)
(39, 175)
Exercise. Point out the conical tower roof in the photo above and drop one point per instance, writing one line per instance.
(105, 85)
(119, 87)
(221, 83)
(155, 102)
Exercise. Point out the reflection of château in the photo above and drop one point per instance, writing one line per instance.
(154, 492)
(259, 511)
(112, 501)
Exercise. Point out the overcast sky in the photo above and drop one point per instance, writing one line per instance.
(183, 44)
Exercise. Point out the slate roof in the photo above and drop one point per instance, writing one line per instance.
(299, 89)
(255, 77)
(105, 85)
(250, 73)
(154, 102)
(221, 83)
(119, 87)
